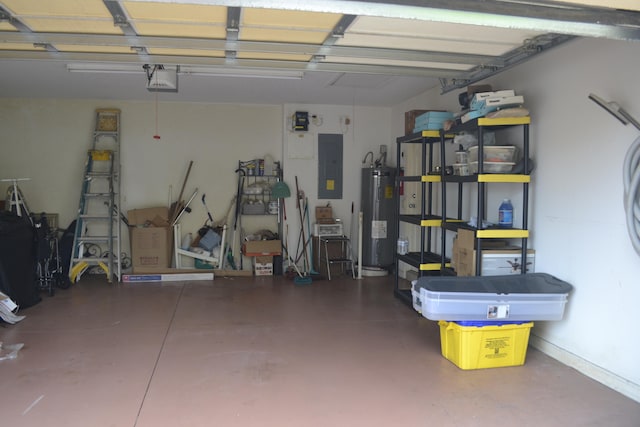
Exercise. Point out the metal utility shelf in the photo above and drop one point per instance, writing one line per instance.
(480, 125)
(426, 260)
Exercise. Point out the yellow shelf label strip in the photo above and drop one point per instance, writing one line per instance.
(504, 121)
(431, 222)
(436, 134)
(433, 266)
(431, 178)
(499, 177)
(431, 134)
(502, 234)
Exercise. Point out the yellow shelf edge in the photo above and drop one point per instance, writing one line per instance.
(431, 222)
(430, 134)
(504, 234)
(433, 266)
(435, 134)
(431, 178)
(504, 121)
(499, 177)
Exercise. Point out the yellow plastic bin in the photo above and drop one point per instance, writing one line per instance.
(474, 345)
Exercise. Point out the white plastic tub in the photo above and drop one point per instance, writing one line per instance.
(528, 297)
(494, 153)
(492, 167)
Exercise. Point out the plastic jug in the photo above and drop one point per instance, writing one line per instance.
(505, 214)
(403, 246)
(186, 241)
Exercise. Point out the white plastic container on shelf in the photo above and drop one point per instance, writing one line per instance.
(492, 167)
(403, 246)
(494, 153)
(461, 169)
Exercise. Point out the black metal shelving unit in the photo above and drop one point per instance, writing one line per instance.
(426, 259)
(482, 180)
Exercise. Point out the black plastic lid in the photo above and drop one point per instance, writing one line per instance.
(532, 283)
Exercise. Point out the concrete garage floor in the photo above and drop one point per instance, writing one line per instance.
(264, 352)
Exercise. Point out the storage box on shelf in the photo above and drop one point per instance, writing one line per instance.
(494, 153)
(492, 167)
(498, 257)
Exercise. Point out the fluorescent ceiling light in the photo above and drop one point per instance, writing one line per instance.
(257, 73)
(92, 67)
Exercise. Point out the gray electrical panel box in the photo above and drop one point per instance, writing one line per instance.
(329, 166)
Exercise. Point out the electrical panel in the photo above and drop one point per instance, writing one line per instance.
(301, 121)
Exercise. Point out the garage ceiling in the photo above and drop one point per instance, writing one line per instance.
(312, 51)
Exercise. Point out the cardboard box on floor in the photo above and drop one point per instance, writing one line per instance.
(263, 265)
(262, 252)
(498, 257)
(151, 239)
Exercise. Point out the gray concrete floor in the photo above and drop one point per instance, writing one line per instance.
(264, 352)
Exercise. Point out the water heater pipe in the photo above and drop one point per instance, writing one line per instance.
(360, 245)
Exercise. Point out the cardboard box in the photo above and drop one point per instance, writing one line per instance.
(150, 247)
(259, 248)
(151, 239)
(498, 258)
(263, 266)
(323, 212)
(410, 120)
(158, 217)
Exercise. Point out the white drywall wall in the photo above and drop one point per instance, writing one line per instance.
(47, 140)
(368, 128)
(577, 221)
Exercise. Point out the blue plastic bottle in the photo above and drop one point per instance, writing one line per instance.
(505, 214)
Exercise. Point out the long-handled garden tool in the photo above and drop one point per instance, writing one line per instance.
(300, 279)
(312, 270)
(304, 278)
(209, 216)
(223, 223)
(232, 247)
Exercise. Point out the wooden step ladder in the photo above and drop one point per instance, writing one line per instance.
(97, 235)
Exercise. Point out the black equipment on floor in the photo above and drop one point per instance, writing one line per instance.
(17, 263)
